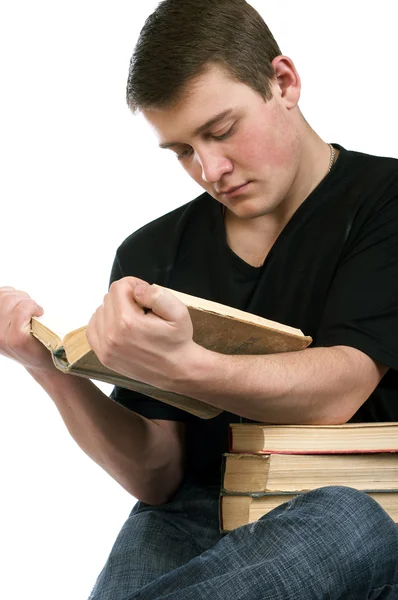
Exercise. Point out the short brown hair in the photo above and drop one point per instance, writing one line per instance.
(181, 38)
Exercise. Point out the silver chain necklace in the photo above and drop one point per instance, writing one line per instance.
(332, 156)
(331, 163)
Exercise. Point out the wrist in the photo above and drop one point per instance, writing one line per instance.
(199, 368)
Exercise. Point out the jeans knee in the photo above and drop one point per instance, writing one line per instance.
(356, 503)
(360, 518)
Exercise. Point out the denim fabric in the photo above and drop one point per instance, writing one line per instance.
(334, 543)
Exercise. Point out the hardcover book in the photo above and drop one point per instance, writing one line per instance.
(260, 473)
(312, 439)
(238, 510)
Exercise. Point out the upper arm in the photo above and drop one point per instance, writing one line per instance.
(360, 314)
(362, 375)
(361, 310)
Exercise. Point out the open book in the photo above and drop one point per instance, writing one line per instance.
(216, 327)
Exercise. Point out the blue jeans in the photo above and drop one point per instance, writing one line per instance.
(333, 543)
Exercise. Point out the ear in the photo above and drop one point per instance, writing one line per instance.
(287, 81)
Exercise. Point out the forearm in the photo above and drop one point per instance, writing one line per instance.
(134, 450)
(318, 385)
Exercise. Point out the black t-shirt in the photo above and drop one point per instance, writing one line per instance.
(332, 272)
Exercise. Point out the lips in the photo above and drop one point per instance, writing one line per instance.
(235, 190)
(232, 189)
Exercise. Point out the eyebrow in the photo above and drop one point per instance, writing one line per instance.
(213, 121)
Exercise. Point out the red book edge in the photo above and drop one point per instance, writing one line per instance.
(392, 450)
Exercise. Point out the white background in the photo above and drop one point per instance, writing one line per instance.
(78, 174)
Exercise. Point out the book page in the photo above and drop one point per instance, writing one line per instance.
(62, 322)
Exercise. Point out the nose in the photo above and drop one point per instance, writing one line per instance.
(213, 165)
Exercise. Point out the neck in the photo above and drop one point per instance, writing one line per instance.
(313, 166)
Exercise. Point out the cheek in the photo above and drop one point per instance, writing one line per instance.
(272, 146)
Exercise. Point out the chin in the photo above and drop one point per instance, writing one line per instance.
(252, 210)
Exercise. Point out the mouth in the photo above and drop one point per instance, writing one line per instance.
(235, 191)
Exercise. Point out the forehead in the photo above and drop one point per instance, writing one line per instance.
(210, 94)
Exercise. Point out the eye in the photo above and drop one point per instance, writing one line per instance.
(224, 136)
(184, 154)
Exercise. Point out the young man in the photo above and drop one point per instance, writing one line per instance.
(290, 228)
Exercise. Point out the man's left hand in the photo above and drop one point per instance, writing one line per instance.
(144, 332)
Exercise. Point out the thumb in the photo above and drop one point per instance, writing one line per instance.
(160, 301)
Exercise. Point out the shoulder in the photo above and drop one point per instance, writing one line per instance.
(364, 186)
(149, 250)
(361, 158)
(377, 173)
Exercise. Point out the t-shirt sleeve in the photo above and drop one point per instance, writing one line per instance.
(139, 403)
(148, 407)
(362, 306)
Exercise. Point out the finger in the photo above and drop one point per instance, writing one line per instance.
(25, 310)
(7, 288)
(130, 282)
(108, 312)
(19, 320)
(7, 291)
(123, 299)
(19, 311)
(161, 302)
(119, 303)
(10, 297)
(93, 334)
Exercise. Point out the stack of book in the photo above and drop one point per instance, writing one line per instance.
(270, 464)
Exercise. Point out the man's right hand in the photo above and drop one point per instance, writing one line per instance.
(145, 456)
(16, 341)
